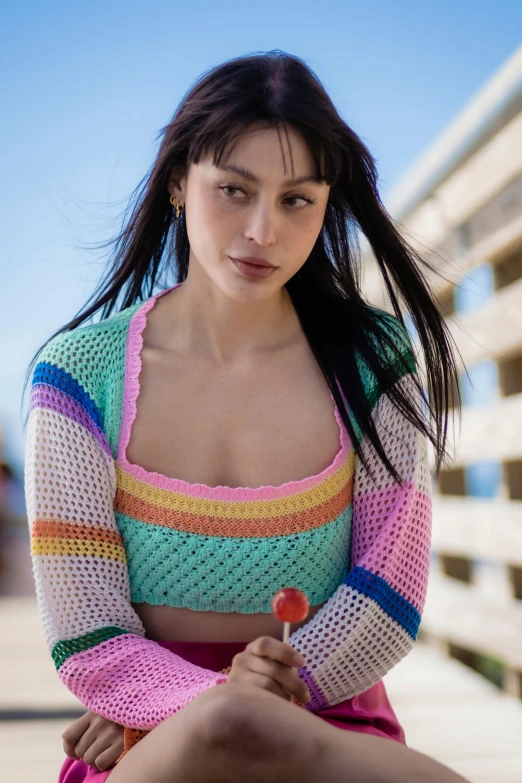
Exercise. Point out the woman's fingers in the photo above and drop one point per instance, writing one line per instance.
(285, 676)
(101, 744)
(98, 754)
(272, 665)
(108, 758)
(268, 647)
(73, 734)
(266, 682)
(96, 740)
(85, 742)
(266, 663)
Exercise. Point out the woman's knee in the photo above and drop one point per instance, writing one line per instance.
(235, 717)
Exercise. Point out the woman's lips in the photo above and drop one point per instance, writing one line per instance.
(251, 270)
(253, 260)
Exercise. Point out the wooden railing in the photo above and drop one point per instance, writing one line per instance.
(474, 607)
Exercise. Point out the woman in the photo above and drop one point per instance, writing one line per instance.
(280, 439)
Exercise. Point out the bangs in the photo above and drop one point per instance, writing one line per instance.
(220, 141)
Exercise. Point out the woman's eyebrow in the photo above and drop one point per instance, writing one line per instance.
(249, 175)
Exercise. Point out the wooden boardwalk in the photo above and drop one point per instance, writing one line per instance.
(453, 714)
(447, 710)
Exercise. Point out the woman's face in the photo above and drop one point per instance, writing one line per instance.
(255, 212)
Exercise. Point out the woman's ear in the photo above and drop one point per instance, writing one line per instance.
(177, 185)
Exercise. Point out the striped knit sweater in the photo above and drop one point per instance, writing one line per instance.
(105, 533)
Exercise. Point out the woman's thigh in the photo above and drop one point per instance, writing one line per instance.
(241, 732)
(225, 725)
(259, 737)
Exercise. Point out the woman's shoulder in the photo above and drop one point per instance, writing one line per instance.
(393, 327)
(388, 353)
(87, 363)
(89, 346)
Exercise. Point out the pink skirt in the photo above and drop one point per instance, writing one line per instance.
(369, 712)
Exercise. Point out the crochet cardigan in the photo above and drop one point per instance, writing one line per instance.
(105, 533)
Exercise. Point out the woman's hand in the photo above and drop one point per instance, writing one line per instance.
(272, 665)
(96, 740)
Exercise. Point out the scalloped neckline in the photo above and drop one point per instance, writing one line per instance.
(133, 366)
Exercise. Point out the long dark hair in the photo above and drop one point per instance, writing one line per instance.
(280, 89)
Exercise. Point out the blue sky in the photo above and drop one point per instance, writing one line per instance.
(86, 88)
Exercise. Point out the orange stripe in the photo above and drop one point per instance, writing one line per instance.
(268, 527)
(55, 528)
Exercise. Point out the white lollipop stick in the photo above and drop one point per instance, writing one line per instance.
(286, 632)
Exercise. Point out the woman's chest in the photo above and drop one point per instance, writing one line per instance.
(256, 424)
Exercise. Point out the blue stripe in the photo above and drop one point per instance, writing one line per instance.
(394, 604)
(64, 382)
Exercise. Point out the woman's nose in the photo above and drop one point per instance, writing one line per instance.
(261, 225)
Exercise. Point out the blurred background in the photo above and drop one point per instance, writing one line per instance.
(435, 91)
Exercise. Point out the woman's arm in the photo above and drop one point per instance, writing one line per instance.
(371, 622)
(96, 639)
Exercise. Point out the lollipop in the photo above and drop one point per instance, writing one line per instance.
(290, 605)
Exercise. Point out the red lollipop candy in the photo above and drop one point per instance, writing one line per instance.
(290, 605)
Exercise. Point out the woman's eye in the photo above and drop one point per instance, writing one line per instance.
(229, 187)
(303, 198)
(226, 188)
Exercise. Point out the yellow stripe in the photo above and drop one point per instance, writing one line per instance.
(73, 546)
(229, 509)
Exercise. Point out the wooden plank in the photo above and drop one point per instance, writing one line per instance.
(469, 725)
(466, 616)
(32, 751)
(491, 430)
(28, 677)
(478, 528)
(494, 330)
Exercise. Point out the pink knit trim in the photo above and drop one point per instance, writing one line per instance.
(130, 396)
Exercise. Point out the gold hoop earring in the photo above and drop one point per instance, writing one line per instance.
(179, 209)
